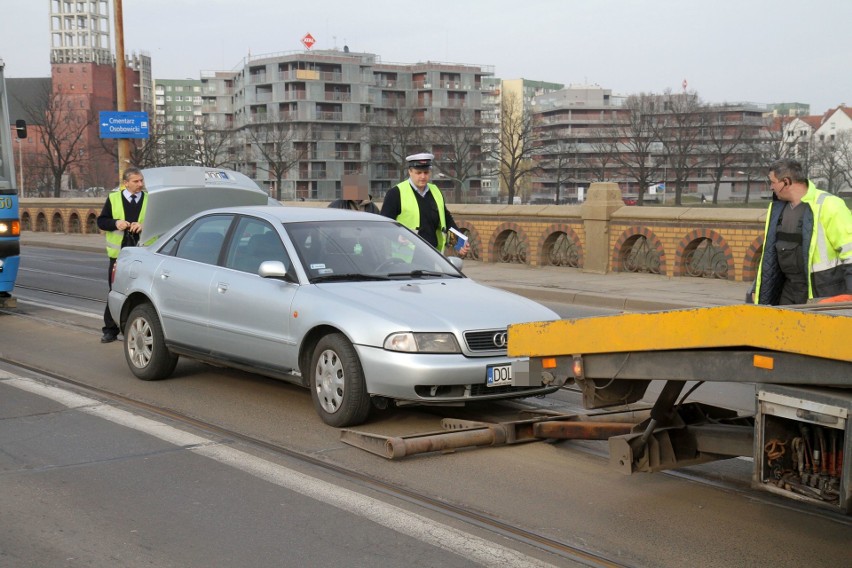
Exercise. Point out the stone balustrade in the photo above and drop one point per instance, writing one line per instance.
(601, 235)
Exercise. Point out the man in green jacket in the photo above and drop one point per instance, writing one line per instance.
(121, 219)
(419, 205)
(807, 246)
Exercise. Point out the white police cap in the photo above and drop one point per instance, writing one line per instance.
(420, 161)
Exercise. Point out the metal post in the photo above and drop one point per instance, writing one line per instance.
(120, 82)
(21, 166)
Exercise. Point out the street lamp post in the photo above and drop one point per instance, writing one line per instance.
(21, 165)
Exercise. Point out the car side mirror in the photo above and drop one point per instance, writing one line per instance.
(274, 269)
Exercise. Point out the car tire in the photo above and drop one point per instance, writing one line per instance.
(145, 346)
(338, 388)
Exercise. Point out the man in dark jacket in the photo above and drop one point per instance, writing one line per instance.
(355, 195)
(807, 246)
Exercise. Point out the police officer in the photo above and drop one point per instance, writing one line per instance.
(419, 205)
(807, 246)
(121, 218)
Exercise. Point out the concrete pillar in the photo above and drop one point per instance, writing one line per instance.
(603, 198)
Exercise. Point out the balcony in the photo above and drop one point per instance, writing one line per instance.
(319, 174)
(347, 155)
(343, 97)
(331, 76)
(332, 116)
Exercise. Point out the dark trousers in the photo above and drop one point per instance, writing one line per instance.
(109, 324)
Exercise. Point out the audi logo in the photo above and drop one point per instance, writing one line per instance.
(499, 339)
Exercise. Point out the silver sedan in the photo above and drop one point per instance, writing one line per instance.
(352, 305)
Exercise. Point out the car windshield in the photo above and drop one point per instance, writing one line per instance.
(335, 251)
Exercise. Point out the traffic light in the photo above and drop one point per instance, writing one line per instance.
(21, 128)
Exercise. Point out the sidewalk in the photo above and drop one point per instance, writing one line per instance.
(617, 290)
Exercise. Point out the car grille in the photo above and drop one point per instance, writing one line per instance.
(484, 340)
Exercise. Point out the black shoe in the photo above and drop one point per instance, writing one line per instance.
(109, 337)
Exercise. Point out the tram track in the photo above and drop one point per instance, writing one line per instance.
(561, 545)
(705, 476)
(478, 519)
(67, 295)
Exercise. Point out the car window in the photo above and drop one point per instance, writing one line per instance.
(365, 248)
(254, 241)
(202, 242)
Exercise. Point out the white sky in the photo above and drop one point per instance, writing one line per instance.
(762, 51)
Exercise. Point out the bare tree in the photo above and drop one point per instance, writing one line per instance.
(62, 132)
(727, 137)
(559, 162)
(603, 146)
(458, 150)
(144, 152)
(394, 134)
(38, 174)
(770, 145)
(844, 150)
(515, 147)
(679, 128)
(277, 147)
(213, 146)
(827, 165)
(638, 149)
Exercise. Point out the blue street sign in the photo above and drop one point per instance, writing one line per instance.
(123, 124)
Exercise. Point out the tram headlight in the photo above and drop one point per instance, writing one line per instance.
(10, 228)
(2, 263)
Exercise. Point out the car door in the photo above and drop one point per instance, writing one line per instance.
(250, 315)
(182, 282)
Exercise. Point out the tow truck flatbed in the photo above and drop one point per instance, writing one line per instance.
(799, 358)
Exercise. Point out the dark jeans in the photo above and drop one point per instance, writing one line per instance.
(109, 324)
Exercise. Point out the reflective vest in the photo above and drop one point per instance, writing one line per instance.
(826, 246)
(409, 214)
(115, 238)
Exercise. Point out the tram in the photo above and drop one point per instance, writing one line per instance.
(10, 222)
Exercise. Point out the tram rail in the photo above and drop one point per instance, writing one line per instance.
(478, 519)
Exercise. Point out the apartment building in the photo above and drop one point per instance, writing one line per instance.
(581, 137)
(177, 120)
(573, 127)
(311, 117)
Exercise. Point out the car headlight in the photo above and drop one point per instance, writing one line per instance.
(422, 342)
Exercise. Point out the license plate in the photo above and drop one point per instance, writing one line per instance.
(498, 376)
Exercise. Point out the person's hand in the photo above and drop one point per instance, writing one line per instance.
(123, 225)
(464, 250)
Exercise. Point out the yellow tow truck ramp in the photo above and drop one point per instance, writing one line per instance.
(798, 357)
(818, 332)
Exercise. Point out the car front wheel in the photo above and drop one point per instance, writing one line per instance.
(145, 347)
(338, 388)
